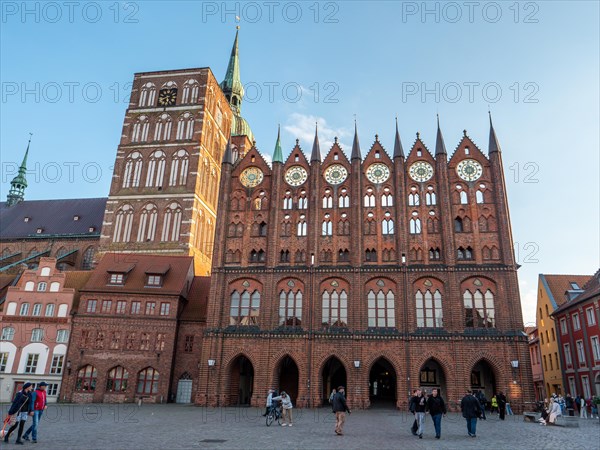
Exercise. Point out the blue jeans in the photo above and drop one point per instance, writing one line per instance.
(420, 421)
(37, 416)
(437, 424)
(472, 426)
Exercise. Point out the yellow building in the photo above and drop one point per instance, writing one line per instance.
(551, 295)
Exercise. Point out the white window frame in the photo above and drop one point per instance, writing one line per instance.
(590, 317)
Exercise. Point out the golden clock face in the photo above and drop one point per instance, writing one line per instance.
(378, 173)
(296, 176)
(420, 171)
(251, 177)
(167, 97)
(335, 174)
(469, 170)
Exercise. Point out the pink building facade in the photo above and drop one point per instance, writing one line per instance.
(36, 324)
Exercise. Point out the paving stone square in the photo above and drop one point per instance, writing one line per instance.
(104, 426)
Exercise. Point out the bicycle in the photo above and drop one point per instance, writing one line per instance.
(274, 414)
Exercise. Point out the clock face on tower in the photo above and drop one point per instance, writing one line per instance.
(378, 173)
(335, 174)
(251, 177)
(296, 175)
(420, 171)
(167, 97)
(469, 170)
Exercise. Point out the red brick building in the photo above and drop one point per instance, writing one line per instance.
(125, 330)
(578, 335)
(36, 324)
(381, 273)
(537, 372)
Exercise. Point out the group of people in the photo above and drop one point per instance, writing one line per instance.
(27, 402)
(579, 403)
(286, 406)
(421, 404)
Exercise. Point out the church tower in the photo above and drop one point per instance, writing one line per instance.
(16, 194)
(163, 195)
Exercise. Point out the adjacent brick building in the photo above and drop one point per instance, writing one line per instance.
(535, 355)
(36, 324)
(382, 274)
(578, 335)
(125, 330)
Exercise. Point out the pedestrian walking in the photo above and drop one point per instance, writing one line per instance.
(340, 408)
(420, 408)
(483, 402)
(38, 405)
(570, 404)
(583, 408)
(437, 408)
(501, 398)
(21, 407)
(286, 408)
(471, 409)
(412, 404)
(578, 404)
(494, 404)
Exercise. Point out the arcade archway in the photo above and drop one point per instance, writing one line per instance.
(333, 375)
(288, 376)
(431, 376)
(382, 383)
(483, 378)
(241, 381)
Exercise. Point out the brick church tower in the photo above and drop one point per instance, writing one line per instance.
(163, 195)
(381, 273)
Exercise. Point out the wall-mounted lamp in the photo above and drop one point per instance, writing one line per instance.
(515, 365)
(403, 258)
(211, 363)
(357, 364)
(69, 366)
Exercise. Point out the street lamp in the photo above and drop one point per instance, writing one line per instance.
(357, 364)
(211, 363)
(515, 365)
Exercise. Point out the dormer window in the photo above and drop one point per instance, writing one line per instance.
(154, 281)
(116, 278)
(574, 286)
(91, 229)
(75, 218)
(26, 219)
(39, 230)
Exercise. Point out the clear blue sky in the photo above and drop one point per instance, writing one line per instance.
(535, 64)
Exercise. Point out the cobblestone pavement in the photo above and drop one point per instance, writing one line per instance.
(106, 426)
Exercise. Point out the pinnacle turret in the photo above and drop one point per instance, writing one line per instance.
(355, 145)
(18, 184)
(316, 150)
(398, 150)
(440, 147)
(277, 153)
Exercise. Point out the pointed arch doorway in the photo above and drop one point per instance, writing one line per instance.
(333, 375)
(382, 384)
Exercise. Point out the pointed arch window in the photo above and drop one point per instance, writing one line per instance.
(140, 129)
(162, 130)
(290, 308)
(479, 309)
(369, 200)
(288, 202)
(190, 92)
(415, 225)
(326, 228)
(87, 377)
(343, 255)
(479, 197)
(381, 309)
(433, 225)
(343, 227)
(245, 308)
(343, 200)
(434, 254)
(327, 201)
(88, 258)
(300, 256)
(123, 224)
(302, 202)
(387, 225)
(284, 256)
(156, 169)
(370, 225)
(171, 223)
(147, 382)
(147, 95)
(179, 168)
(458, 225)
(301, 228)
(286, 228)
(117, 379)
(387, 200)
(133, 170)
(430, 198)
(147, 226)
(334, 308)
(257, 256)
(429, 309)
(464, 253)
(413, 199)
(371, 255)
(464, 200)
(185, 127)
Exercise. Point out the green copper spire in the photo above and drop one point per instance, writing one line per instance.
(277, 153)
(16, 193)
(232, 85)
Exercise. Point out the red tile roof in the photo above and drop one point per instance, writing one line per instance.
(559, 284)
(174, 281)
(76, 279)
(195, 309)
(591, 289)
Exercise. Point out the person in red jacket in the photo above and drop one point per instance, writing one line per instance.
(38, 405)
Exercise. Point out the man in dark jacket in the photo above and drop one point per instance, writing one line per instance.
(501, 404)
(21, 407)
(471, 409)
(340, 407)
(412, 406)
(436, 407)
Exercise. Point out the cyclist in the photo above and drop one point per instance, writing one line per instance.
(269, 401)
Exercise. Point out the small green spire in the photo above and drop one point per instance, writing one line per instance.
(277, 153)
(232, 85)
(16, 193)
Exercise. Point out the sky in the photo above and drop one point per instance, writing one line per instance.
(66, 70)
